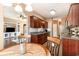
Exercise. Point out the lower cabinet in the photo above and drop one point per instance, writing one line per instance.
(39, 38)
(70, 47)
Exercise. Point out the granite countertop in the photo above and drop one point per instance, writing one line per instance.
(37, 33)
(71, 37)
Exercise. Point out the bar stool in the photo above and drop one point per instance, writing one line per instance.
(54, 45)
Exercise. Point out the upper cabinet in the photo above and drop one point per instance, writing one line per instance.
(73, 16)
(33, 22)
(36, 22)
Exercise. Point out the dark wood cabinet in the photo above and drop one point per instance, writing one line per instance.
(39, 38)
(36, 22)
(73, 15)
(46, 24)
(70, 47)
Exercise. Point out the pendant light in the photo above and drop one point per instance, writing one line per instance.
(28, 8)
(18, 8)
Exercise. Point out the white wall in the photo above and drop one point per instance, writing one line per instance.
(50, 26)
(55, 32)
(1, 29)
(10, 13)
(64, 30)
(53, 28)
(22, 22)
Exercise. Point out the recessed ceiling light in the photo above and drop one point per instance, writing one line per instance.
(59, 20)
(52, 12)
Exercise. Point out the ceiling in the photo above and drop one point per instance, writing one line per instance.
(44, 9)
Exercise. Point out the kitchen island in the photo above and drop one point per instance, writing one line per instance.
(39, 37)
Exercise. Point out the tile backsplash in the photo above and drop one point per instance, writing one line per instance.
(33, 30)
(75, 31)
(36, 29)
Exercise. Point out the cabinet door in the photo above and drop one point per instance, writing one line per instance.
(76, 9)
(69, 47)
(40, 39)
(34, 38)
(39, 23)
(70, 16)
(31, 21)
(46, 24)
(43, 24)
(65, 47)
(73, 16)
(72, 47)
(34, 22)
(45, 37)
(77, 47)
